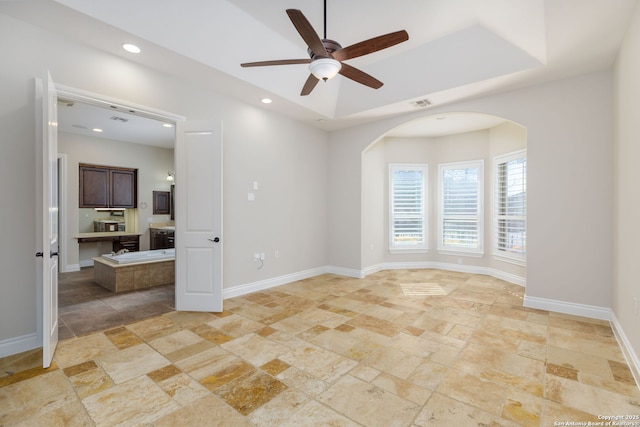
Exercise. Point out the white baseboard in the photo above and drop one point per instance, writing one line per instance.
(583, 310)
(511, 278)
(360, 274)
(270, 283)
(70, 268)
(348, 272)
(18, 345)
(627, 350)
(86, 263)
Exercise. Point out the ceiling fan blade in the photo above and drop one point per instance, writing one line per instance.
(307, 32)
(360, 76)
(276, 62)
(311, 82)
(372, 45)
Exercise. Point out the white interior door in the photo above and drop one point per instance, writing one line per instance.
(46, 105)
(198, 157)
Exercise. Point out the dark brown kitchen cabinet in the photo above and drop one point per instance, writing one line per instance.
(130, 243)
(161, 202)
(108, 187)
(161, 239)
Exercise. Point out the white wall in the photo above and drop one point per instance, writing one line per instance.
(569, 156)
(374, 183)
(626, 249)
(288, 159)
(152, 163)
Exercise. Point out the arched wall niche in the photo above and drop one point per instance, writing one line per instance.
(445, 137)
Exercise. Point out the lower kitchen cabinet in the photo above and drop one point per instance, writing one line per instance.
(130, 243)
(161, 239)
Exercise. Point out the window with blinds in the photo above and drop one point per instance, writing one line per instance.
(407, 200)
(460, 207)
(510, 196)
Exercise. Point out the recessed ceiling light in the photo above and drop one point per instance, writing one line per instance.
(266, 101)
(167, 125)
(131, 48)
(97, 130)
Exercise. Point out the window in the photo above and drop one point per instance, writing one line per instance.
(510, 206)
(407, 201)
(460, 207)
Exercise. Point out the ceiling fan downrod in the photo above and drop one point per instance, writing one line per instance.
(325, 19)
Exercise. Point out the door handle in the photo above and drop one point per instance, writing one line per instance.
(39, 254)
(214, 240)
(52, 254)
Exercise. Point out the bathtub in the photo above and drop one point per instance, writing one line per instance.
(141, 256)
(135, 270)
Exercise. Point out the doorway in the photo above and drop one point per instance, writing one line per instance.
(97, 132)
(199, 247)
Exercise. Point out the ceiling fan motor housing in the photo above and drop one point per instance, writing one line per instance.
(330, 45)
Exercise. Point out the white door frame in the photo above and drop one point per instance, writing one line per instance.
(100, 101)
(109, 103)
(63, 250)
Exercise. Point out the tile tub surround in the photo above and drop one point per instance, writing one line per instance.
(128, 277)
(335, 351)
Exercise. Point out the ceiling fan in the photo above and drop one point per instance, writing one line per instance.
(326, 56)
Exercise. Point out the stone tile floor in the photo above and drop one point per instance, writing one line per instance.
(84, 306)
(399, 348)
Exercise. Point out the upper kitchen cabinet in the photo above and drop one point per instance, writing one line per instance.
(108, 187)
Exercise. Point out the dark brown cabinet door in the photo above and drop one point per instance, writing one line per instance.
(130, 243)
(123, 188)
(161, 202)
(94, 187)
(108, 187)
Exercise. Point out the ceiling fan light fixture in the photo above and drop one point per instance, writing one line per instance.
(325, 68)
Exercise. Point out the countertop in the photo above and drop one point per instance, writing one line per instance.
(104, 234)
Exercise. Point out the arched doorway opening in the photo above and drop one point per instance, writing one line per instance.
(441, 146)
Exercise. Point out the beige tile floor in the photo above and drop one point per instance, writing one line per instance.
(399, 348)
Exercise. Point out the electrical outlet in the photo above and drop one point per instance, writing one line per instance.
(256, 256)
(261, 256)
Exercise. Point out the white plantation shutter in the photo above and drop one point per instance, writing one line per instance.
(460, 207)
(510, 206)
(407, 197)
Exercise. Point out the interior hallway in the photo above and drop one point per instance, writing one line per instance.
(398, 348)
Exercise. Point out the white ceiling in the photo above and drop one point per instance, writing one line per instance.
(113, 123)
(457, 49)
(445, 124)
